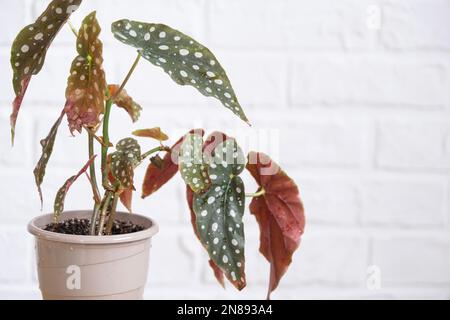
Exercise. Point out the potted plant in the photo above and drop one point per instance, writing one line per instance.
(101, 253)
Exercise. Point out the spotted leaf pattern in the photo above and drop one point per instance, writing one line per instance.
(47, 149)
(219, 212)
(123, 162)
(154, 133)
(157, 176)
(218, 273)
(279, 213)
(192, 167)
(86, 85)
(62, 192)
(185, 60)
(30, 48)
(123, 100)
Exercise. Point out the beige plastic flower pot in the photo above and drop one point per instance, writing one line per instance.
(92, 267)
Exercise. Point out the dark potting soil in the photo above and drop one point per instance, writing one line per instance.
(80, 227)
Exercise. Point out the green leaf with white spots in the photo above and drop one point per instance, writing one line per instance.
(58, 206)
(124, 161)
(219, 212)
(47, 149)
(192, 167)
(30, 48)
(185, 60)
(86, 85)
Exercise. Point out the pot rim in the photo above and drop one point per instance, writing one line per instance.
(36, 224)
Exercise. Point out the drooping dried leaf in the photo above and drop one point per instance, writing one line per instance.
(62, 192)
(86, 85)
(219, 212)
(154, 133)
(30, 48)
(279, 213)
(192, 167)
(47, 149)
(123, 100)
(185, 60)
(156, 177)
(217, 272)
(123, 162)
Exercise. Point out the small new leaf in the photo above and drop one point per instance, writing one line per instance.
(62, 192)
(47, 149)
(123, 100)
(86, 86)
(124, 161)
(219, 212)
(30, 48)
(185, 60)
(154, 133)
(192, 167)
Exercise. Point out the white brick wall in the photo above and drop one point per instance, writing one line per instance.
(362, 118)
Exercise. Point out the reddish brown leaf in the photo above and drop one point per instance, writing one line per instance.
(154, 133)
(156, 177)
(279, 213)
(86, 86)
(123, 100)
(126, 198)
(217, 271)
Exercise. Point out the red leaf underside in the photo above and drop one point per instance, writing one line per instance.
(279, 213)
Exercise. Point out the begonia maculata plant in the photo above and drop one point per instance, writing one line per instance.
(210, 165)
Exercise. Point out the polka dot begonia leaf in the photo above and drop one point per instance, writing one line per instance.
(192, 167)
(47, 149)
(58, 206)
(185, 60)
(86, 85)
(219, 212)
(124, 161)
(30, 48)
(123, 100)
(157, 176)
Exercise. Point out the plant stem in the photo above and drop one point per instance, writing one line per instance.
(103, 213)
(74, 31)
(112, 215)
(94, 219)
(105, 145)
(256, 194)
(157, 149)
(92, 174)
(130, 72)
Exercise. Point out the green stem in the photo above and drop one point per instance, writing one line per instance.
(92, 173)
(94, 219)
(103, 213)
(130, 72)
(112, 215)
(74, 31)
(157, 149)
(105, 145)
(256, 194)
